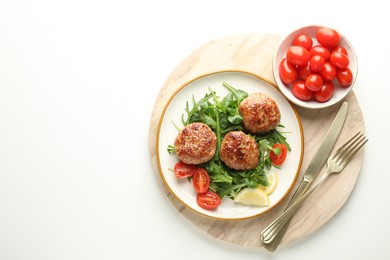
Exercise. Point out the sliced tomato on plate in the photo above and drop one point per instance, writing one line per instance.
(278, 154)
(208, 200)
(183, 170)
(201, 180)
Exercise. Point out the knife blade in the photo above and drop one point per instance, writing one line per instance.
(313, 168)
(327, 144)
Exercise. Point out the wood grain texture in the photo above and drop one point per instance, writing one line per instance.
(253, 53)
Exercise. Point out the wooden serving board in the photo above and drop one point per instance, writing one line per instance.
(253, 53)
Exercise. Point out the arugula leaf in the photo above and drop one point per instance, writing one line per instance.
(171, 149)
(239, 94)
(195, 109)
(218, 172)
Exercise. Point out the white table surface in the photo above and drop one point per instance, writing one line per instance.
(78, 81)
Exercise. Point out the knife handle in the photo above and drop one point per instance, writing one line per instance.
(299, 192)
(272, 243)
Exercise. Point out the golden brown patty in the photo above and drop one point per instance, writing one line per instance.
(239, 151)
(195, 144)
(260, 113)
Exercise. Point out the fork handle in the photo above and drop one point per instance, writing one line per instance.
(273, 229)
(274, 243)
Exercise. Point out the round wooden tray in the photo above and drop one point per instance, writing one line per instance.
(253, 53)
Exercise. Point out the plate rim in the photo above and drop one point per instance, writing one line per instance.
(157, 142)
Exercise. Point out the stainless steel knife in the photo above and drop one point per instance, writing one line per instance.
(312, 170)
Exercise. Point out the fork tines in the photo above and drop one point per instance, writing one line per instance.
(351, 147)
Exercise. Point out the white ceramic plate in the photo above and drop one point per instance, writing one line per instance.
(182, 189)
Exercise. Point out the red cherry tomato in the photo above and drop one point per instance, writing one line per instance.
(325, 93)
(328, 71)
(278, 154)
(316, 63)
(300, 91)
(298, 55)
(201, 180)
(328, 37)
(320, 50)
(314, 82)
(303, 40)
(344, 77)
(304, 71)
(208, 200)
(339, 60)
(340, 49)
(288, 72)
(183, 170)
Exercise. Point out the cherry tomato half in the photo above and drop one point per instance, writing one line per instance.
(339, 60)
(300, 91)
(208, 200)
(328, 37)
(316, 63)
(278, 154)
(314, 82)
(201, 180)
(298, 55)
(288, 72)
(325, 93)
(303, 40)
(183, 170)
(320, 50)
(328, 71)
(344, 77)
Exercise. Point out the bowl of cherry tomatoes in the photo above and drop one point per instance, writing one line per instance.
(315, 67)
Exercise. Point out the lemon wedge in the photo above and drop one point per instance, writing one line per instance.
(252, 197)
(273, 183)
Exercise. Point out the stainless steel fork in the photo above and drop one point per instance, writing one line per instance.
(335, 164)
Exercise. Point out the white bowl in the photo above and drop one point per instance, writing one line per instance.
(339, 93)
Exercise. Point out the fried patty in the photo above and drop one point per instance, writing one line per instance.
(195, 144)
(260, 113)
(239, 151)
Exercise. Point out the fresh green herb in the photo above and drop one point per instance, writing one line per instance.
(223, 116)
(199, 109)
(171, 149)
